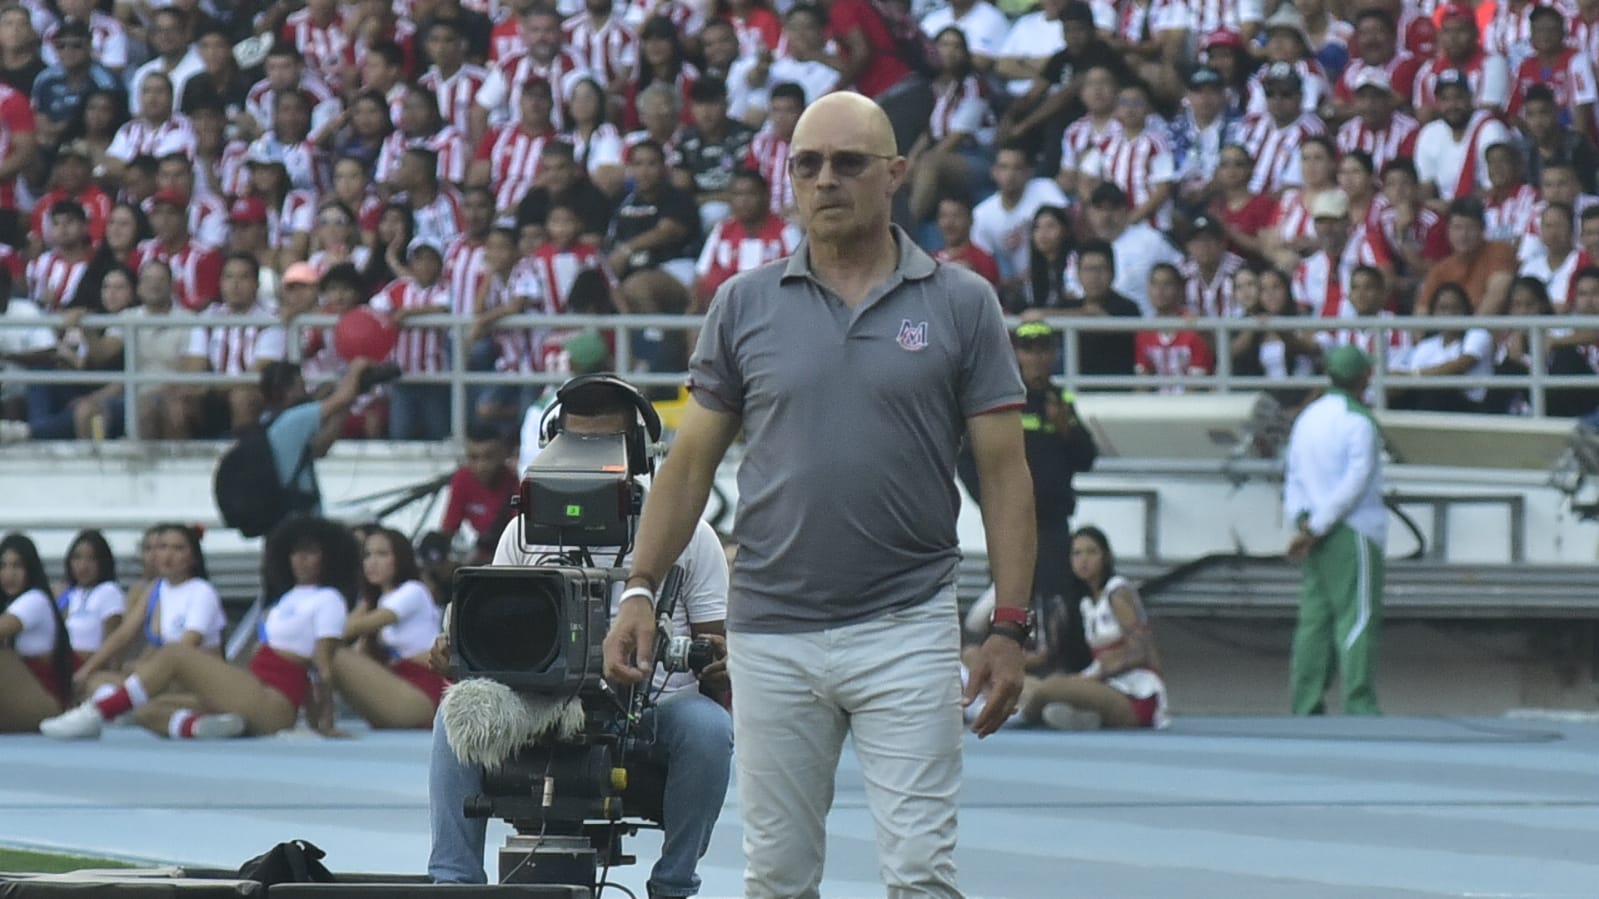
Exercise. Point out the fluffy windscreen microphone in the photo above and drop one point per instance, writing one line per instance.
(486, 722)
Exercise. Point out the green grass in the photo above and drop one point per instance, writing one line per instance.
(18, 861)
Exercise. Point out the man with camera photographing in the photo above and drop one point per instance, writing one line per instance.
(693, 733)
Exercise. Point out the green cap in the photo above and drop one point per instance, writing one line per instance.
(587, 353)
(1347, 364)
(1035, 331)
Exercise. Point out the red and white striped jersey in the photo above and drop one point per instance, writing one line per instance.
(515, 345)
(609, 51)
(1509, 33)
(233, 174)
(1401, 72)
(732, 247)
(1509, 216)
(321, 99)
(1532, 241)
(501, 93)
(1559, 276)
(1206, 16)
(1172, 353)
(1400, 341)
(53, 280)
(1421, 225)
(549, 350)
(1418, 34)
(505, 40)
(447, 143)
(1385, 145)
(685, 15)
(455, 92)
(419, 350)
(1320, 284)
(196, 270)
(1138, 23)
(554, 270)
(235, 349)
(769, 156)
(1275, 149)
(1137, 164)
(297, 216)
(465, 270)
(403, 35)
(1212, 297)
(208, 218)
(1311, 76)
(513, 155)
(1367, 245)
(96, 205)
(440, 220)
(1488, 76)
(1571, 79)
(108, 42)
(138, 137)
(327, 49)
(962, 107)
(1083, 136)
(1585, 37)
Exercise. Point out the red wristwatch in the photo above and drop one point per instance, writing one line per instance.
(1012, 622)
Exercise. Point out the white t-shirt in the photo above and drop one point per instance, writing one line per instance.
(1034, 36)
(86, 612)
(1137, 251)
(703, 598)
(814, 77)
(985, 27)
(303, 616)
(1476, 342)
(38, 635)
(1006, 233)
(1440, 158)
(190, 606)
(419, 618)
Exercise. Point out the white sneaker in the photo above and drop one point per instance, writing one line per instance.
(80, 723)
(1065, 716)
(225, 726)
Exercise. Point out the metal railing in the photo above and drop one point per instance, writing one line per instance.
(1075, 329)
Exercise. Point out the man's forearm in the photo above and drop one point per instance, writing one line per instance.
(1012, 534)
(671, 512)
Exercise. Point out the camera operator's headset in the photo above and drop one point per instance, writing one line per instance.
(641, 434)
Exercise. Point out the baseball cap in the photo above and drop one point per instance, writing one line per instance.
(1458, 11)
(586, 352)
(1203, 78)
(1330, 204)
(1373, 77)
(1347, 364)
(248, 211)
(1283, 73)
(1207, 225)
(424, 243)
(300, 273)
(170, 197)
(1222, 38)
(1035, 333)
(1450, 78)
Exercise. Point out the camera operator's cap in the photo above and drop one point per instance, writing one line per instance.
(1449, 79)
(301, 273)
(424, 243)
(169, 197)
(1203, 78)
(1034, 334)
(1079, 12)
(1374, 78)
(1207, 226)
(1330, 204)
(587, 352)
(1347, 364)
(1284, 74)
(248, 211)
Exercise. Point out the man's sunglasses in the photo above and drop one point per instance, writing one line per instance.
(807, 164)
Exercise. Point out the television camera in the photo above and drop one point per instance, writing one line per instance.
(563, 752)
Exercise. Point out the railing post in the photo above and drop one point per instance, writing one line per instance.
(458, 369)
(1069, 371)
(1224, 357)
(1539, 365)
(623, 332)
(1379, 368)
(130, 387)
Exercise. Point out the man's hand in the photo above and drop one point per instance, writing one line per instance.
(714, 677)
(1299, 547)
(630, 645)
(998, 673)
(439, 656)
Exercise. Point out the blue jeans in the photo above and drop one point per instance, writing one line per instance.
(419, 411)
(690, 729)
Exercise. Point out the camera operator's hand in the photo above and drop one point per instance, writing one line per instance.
(439, 655)
(630, 646)
(714, 677)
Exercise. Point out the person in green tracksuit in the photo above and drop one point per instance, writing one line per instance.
(1333, 492)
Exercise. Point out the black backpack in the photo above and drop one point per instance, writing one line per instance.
(248, 493)
(911, 43)
(296, 861)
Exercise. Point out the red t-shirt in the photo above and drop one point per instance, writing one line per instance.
(884, 69)
(16, 118)
(95, 204)
(1251, 218)
(479, 503)
(974, 259)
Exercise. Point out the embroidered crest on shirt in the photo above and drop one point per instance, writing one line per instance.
(913, 337)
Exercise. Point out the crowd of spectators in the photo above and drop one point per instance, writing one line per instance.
(1332, 159)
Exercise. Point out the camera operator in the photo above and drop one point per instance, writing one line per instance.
(693, 733)
(302, 429)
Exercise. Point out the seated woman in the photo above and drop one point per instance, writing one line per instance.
(92, 603)
(35, 656)
(1451, 351)
(385, 675)
(1122, 687)
(310, 565)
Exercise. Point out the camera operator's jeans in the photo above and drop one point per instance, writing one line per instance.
(893, 685)
(690, 729)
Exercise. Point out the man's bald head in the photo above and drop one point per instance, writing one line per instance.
(846, 121)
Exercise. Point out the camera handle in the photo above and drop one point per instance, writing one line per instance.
(665, 608)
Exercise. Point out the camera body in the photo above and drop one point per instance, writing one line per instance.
(687, 654)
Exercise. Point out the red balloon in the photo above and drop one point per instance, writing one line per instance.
(363, 333)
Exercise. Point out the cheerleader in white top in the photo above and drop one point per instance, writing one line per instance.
(385, 674)
(35, 657)
(92, 603)
(310, 565)
(1122, 686)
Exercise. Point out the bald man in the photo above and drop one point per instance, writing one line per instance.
(852, 368)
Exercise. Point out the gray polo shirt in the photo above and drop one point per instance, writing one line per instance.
(852, 417)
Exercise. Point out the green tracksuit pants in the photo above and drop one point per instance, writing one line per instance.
(1340, 618)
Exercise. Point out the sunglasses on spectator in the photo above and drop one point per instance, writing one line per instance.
(807, 164)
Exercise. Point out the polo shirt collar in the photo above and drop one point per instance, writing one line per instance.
(914, 264)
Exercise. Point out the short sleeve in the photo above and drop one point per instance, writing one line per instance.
(204, 612)
(271, 345)
(605, 149)
(107, 601)
(492, 93)
(408, 600)
(968, 115)
(1478, 344)
(704, 596)
(32, 609)
(990, 379)
(121, 144)
(328, 621)
(713, 375)
(199, 343)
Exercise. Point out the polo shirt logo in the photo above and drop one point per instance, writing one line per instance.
(913, 337)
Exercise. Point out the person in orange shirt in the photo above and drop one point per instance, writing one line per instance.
(1484, 268)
